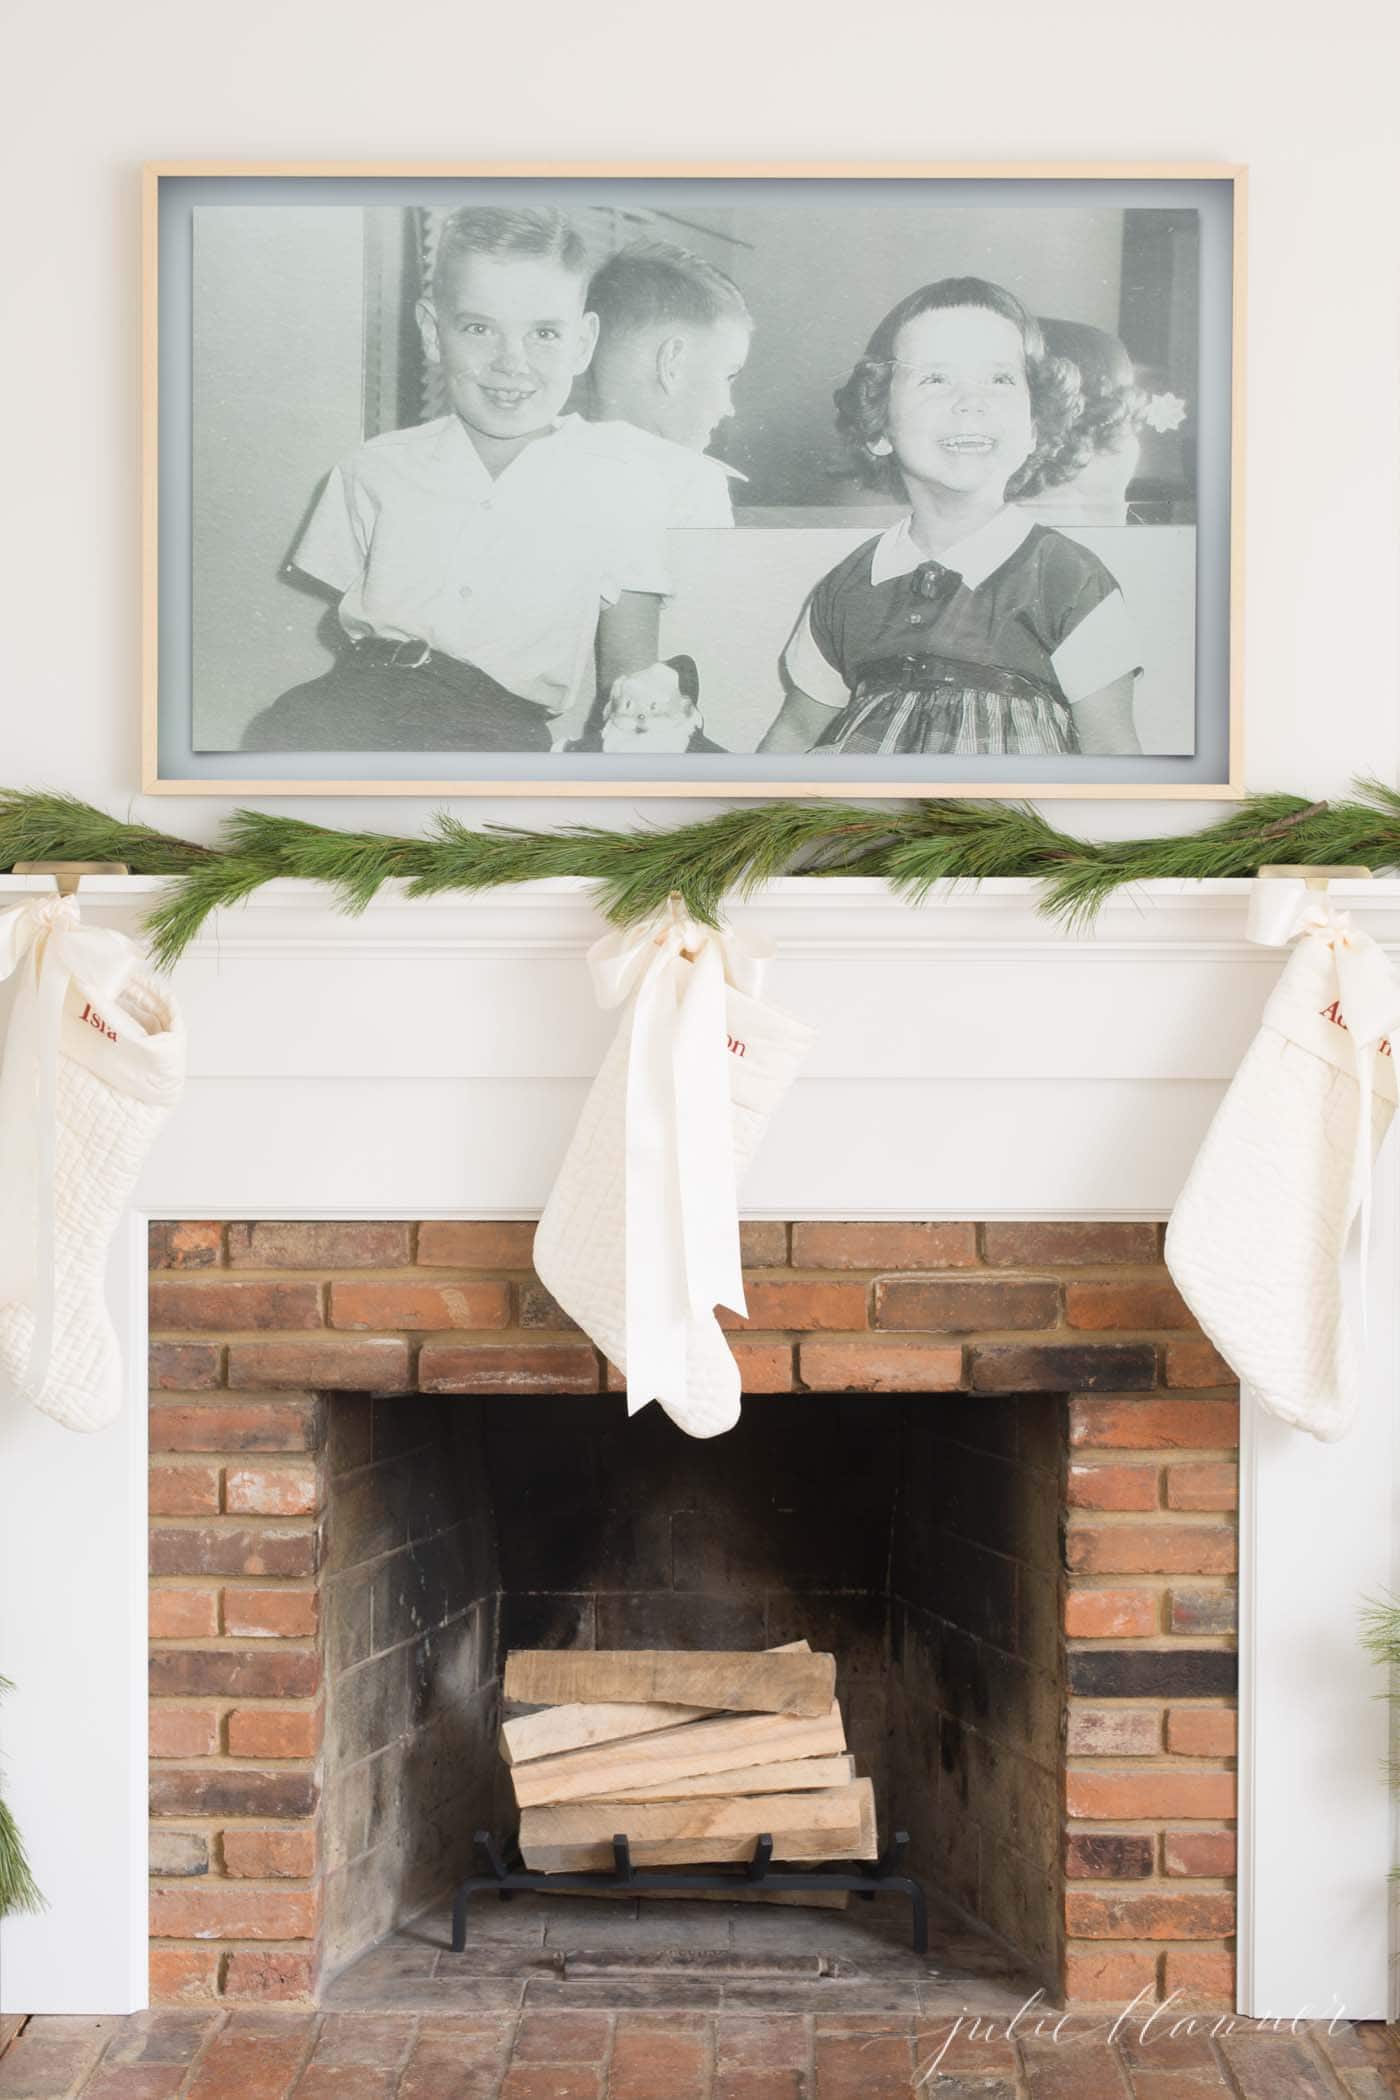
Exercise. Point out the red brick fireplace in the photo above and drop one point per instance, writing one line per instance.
(1076, 1438)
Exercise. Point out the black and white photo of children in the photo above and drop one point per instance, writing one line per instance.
(900, 484)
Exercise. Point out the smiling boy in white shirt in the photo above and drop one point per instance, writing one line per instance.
(498, 565)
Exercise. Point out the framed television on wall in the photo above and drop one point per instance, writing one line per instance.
(693, 480)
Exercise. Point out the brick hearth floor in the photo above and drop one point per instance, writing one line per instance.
(552, 1953)
(685, 2001)
(580, 2055)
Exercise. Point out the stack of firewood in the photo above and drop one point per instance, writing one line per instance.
(691, 1756)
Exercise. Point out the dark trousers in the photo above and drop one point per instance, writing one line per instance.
(439, 705)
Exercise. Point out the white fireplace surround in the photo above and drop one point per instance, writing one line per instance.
(973, 1061)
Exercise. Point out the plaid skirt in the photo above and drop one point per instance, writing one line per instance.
(942, 704)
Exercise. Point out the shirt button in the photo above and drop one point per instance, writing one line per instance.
(465, 591)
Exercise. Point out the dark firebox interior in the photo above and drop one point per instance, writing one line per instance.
(914, 1536)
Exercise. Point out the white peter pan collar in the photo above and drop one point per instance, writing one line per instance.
(974, 557)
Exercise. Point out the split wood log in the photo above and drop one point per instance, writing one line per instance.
(869, 1837)
(557, 1728)
(726, 1743)
(576, 1837)
(757, 1682)
(796, 1775)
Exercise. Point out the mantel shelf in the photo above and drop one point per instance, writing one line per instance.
(842, 918)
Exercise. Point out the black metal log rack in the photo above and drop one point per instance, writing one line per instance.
(507, 1875)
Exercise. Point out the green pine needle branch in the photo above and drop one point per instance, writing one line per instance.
(60, 827)
(18, 1889)
(912, 845)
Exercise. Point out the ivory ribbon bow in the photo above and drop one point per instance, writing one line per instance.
(1369, 995)
(45, 942)
(682, 1225)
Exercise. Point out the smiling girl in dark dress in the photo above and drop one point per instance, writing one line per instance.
(967, 627)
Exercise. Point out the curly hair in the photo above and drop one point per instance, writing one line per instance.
(862, 401)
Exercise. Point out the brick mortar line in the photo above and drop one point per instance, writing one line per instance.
(257, 1644)
(232, 2005)
(1320, 2056)
(1215, 1943)
(228, 1760)
(196, 2061)
(1154, 1884)
(164, 1398)
(293, 1884)
(210, 1826)
(241, 1824)
(225, 1703)
(653, 1589)
(1095, 1643)
(1160, 1458)
(274, 1461)
(541, 1336)
(305, 1521)
(220, 1761)
(219, 1396)
(1179, 1826)
(1095, 1274)
(1060, 1335)
(1149, 1703)
(1117, 1397)
(1125, 1519)
(1157, 1764)
(1106, 1457)
(413, 2028)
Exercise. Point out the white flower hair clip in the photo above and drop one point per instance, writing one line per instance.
(1164, 412)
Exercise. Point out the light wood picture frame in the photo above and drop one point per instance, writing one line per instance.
(407, 529)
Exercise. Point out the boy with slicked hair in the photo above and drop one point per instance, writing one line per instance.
(673, 335)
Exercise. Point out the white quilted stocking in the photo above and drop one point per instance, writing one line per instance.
(581, 1246)
(1256, 1240)
(118, 1070)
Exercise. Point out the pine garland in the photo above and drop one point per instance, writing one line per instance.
(18, 1890)
(1380, 1637)
(912, 845)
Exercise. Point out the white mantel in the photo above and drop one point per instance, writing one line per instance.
(427, 1059)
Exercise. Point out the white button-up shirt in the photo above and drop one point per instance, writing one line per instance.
(506, 572)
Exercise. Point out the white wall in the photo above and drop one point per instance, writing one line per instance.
(1306, 99)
